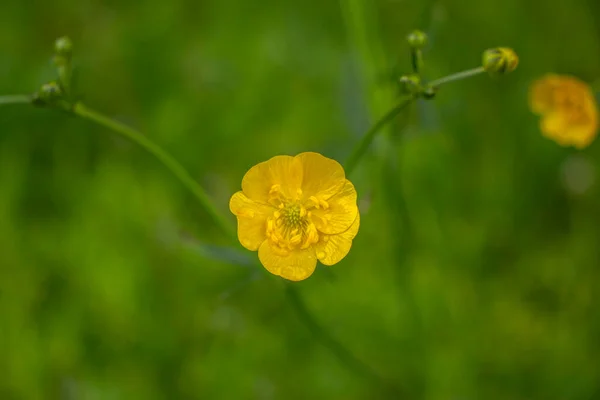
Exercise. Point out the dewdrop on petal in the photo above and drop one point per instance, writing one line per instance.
(500, 60)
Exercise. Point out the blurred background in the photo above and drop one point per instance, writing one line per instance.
(475, 274)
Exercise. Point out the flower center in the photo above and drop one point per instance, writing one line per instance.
(293, 216)
(291, 227)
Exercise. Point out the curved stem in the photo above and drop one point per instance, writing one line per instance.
(338, 349)
(165, 158)
(293, 296)
(416, 57)
(456, 77)
(15, 99)
(365, 142)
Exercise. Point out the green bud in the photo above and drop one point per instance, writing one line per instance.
(48, 94)
(63, 47)
(500, 60)
(50, 91)
(417, 39)
(411, 83)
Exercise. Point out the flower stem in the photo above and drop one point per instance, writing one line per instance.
(416, 57)
(15, 99)
(293, 296)
(456, 77)
(165, 158)
(341, 352)
(362, 147)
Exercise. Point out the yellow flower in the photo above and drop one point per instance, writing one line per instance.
(568, 109)
(295, 210)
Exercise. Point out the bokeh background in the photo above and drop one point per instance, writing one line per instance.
(475, 274)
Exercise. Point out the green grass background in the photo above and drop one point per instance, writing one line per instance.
(475, 274)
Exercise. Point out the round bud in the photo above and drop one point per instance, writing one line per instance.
(500, 60)
(63, 46)
(411, 83)
(417, 39)
(48, 93)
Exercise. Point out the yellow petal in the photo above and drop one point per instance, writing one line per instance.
(322, 177)
(341, 212)
(284, 171)
(252, 220)
(331, 249)
(542, 93)
(556, 126)
(294, 265)
(553, 126)
(581, 136)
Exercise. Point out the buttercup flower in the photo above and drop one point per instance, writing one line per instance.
(295, 210)
(568, 109)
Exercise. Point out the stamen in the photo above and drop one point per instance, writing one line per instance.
(296, 239)
(290, 226)
(275, 189)
(315, 200)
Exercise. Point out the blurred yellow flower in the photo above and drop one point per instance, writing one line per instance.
(295, 210)
(568, 109)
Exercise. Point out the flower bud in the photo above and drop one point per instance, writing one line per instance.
(417, 39)
(63, 47)
(48, 94)
(500, 60)
(411, 83)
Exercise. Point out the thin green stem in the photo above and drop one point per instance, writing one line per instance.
(294, 297)
(165, 158)
(362, 29)
(416, 57)
(362, 147)
(64, 76)
(338, 349)
(456, 77)
(15, 99)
